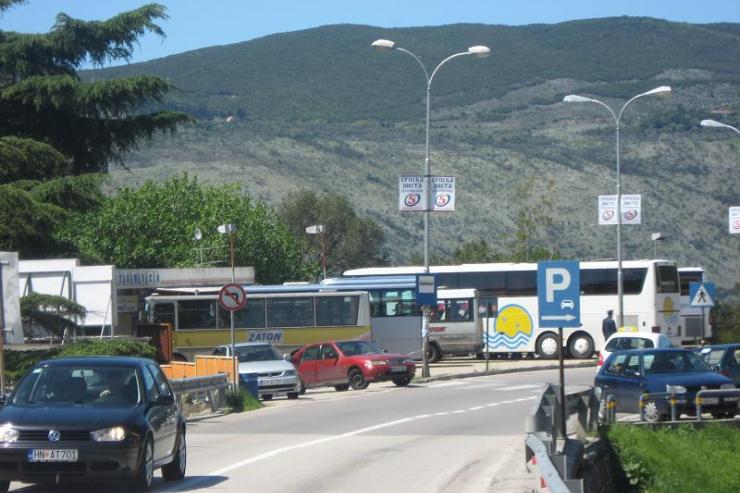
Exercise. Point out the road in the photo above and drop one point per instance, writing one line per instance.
(457, 436)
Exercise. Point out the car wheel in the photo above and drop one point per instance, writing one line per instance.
(357, 379)
(402, 381)
(433, 353)
(266, 397)
(341, 388)
(547, 346)
(175, 470)
(145, 474)
(581, 346)
(651, 413)
(4, 486)
(293, 395)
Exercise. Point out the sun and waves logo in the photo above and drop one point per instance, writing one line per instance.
(512, 329)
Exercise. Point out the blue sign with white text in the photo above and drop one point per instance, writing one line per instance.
(426, 290)
(559, 293)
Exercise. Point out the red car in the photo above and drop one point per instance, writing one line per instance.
(345, 364)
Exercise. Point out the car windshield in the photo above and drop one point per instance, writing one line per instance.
(671, 362)
(79, 385)
(712, 356)
(354, 348)
(262, 352)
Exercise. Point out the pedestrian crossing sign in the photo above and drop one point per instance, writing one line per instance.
(702, 294)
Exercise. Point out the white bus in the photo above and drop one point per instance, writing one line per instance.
(651, 302)
(455, 325)
(696, 325)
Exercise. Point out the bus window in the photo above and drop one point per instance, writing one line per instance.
(375, 304)
(633, 280)
(196, 314)
(337, 310)
(686, 278)
(399, 303)
(521, 283)
(460, 310)
(252, 316)
(290, 312)
(164, 313)
(667, 279)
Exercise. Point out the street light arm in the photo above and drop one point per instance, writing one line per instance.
(656, 91)
(418, 60)
(573, 98)
(716, 124)
(456, 55)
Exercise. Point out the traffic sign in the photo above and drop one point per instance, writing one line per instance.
(702, 294)
(734, 220)
(426, 290)
(559, 293)
(232, 297)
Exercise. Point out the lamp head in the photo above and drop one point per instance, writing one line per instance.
(479, 51)
(198, 234)
(574, 98)
(712, 123)
(658, 91)
(383, 44)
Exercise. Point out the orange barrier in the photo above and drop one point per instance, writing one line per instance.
(203, 367)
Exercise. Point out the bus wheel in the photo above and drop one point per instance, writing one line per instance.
(581, 346)
(433, 354)
(547, 346)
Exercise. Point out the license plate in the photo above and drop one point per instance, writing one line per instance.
(398, 368)
(710, 400)
(52, 455)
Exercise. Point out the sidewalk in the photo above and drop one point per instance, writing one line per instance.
(465, 367)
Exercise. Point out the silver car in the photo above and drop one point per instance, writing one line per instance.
(276, 376)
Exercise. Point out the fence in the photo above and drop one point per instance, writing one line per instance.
(203, 366)
(674, 398)
(213, 385)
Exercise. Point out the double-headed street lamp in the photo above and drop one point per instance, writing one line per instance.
(480, 52)
(716, 124)
(662, 90)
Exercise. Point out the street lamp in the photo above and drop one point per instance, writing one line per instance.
(480, 52)
(320, 229)
(656, 237)
(716, 124)
(198, 236)
(662, 90)
(230, 229)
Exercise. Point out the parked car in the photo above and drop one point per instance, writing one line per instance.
(92, 418)
(626, 339)
(345, 364)
(724, 358)
(275, 375)
(628, 374)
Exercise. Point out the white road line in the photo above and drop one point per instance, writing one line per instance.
(475, 408)
(521, 387)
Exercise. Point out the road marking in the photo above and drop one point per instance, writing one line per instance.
(189, 484)
(521, 387)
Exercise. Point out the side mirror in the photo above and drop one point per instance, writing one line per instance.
(715, 368)
(164, 400)
(3, 399)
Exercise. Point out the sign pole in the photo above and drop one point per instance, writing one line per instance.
(703, 328)
(561, 369)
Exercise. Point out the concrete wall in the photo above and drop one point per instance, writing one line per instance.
(10, 306)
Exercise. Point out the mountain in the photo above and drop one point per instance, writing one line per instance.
(320, 109)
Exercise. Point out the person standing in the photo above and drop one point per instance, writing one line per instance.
(608, 326)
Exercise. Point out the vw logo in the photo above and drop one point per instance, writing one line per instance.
(54, 436)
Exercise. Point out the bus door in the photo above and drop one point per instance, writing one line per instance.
(487, 311)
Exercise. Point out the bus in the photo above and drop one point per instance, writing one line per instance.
(455, 325)
(694, 320)
(288, 317)
(509, 291)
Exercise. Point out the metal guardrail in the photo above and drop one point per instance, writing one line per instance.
(673, 397)
(213, 385)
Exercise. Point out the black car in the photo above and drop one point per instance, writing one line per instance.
(92, 418)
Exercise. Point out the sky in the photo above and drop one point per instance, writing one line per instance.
(198, 24)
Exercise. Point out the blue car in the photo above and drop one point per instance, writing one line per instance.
(724, 358)
(628, 374)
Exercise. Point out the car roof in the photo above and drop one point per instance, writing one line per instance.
(247, 344)
(113, 361)
(653, 350)
(643, 335)
(726, 345)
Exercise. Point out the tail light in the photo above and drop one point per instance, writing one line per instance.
(601, 360)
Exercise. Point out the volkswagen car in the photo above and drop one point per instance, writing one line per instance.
(92, 418)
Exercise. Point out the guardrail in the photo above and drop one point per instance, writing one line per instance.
(544, 425)
(213, 385)
(674, 398)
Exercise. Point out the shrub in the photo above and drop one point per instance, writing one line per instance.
(242, 401)
(682, 459)
(108, 347)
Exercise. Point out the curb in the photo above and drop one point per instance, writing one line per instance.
(454, 376)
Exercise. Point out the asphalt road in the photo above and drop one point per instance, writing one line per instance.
(457, 436)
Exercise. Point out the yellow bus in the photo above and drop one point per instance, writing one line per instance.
(274, 314)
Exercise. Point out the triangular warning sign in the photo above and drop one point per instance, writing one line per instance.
(702, 298)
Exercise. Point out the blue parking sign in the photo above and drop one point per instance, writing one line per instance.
(559, 293)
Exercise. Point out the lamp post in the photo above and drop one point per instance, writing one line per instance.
(480, 52)
(230, 229)
(656, 237)
(716, 124)
(617, 122)
(320, 229)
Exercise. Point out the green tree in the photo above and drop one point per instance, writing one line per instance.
(55, 314)
(153, 226)
(475, 251)
(351, 240)
(532, 220)
(56, 130)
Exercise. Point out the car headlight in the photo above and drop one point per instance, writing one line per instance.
(379, 362)
(679, 389)
(289, 373)
(727, 386)
(8, 434)
(114, 434)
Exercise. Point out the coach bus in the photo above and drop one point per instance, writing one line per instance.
(651, 302)
(286, 317)
(696, 325)
(455, 325)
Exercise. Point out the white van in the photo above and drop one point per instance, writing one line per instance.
(455, 326)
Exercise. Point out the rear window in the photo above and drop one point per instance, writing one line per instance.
(621, 343)
(667, 279)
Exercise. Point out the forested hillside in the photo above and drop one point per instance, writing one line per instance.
(320, 109)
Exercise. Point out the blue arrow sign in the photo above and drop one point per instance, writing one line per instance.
(559, 293)
(702, 294)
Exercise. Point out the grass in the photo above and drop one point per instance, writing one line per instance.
(682, 459)
(241, 401)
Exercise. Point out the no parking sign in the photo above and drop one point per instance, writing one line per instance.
(232, 297)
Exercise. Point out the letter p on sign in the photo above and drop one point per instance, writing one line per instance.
(556, 279)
